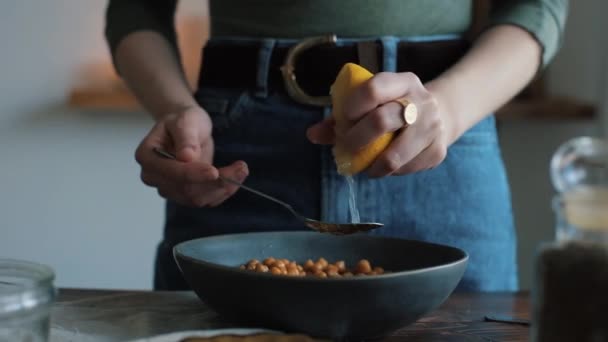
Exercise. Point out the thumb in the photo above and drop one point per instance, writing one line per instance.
(185, 135)
(322, 132)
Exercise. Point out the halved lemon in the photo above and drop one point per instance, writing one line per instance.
(351, 76)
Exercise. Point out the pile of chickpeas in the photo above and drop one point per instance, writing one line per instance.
(321, 268)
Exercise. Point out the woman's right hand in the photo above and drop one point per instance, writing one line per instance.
(192, 179)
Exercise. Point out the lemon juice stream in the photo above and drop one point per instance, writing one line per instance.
(352, 200)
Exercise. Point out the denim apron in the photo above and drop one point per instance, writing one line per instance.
(464, 202)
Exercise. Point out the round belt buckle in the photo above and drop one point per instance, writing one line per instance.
(289, 76)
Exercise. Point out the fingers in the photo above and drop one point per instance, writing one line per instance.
(157, 169)
(416, 148)
(176, 132)
(214, 193)
(211, 192)
(323, 132)
(186, 139)
(373, 111)
(190, 178)
(238, 171)
(156, 137)
(383, 119)
(400, 152)
(382, 88)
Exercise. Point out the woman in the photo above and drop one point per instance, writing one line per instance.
(441, 180)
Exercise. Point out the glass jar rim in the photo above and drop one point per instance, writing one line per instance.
(24, 285)
(592, 152)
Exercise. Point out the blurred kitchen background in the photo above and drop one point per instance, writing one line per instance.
(70, 194)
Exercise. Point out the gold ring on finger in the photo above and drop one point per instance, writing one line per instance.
(410, 111)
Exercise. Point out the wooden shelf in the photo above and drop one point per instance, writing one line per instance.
(108, 99)
(547, 108)
(102, 89)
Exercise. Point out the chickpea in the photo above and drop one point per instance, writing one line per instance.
(320, 274)
(261, 268)
(333, 274)
(309, 264)
(363, 266)
(269, 261)
(331, 268)
(341, 265)
(292, 268)
(321, 268)
(379, 270)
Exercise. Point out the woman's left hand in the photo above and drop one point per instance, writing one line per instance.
(371, 111)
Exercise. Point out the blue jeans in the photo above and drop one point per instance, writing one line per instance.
(464, 202)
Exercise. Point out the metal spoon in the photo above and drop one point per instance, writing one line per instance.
(322, 227)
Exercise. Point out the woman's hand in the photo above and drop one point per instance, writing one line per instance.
(371, 112)
(191, 179)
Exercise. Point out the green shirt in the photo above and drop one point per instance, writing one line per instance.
(544, 19)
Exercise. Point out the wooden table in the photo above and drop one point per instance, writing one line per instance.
(108, 315)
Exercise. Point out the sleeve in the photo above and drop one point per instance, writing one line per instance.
(127, 16)
(543, 19)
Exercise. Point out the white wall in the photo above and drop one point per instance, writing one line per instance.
(69, 189)
(580, 71)
(527, 146)
(70, 195)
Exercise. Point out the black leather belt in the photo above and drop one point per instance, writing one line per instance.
(316, 67)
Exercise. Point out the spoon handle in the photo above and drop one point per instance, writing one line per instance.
(259, 193)
(168, 155)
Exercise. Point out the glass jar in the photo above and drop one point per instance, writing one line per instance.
(26, 296)
(569, 299)
(580, 162)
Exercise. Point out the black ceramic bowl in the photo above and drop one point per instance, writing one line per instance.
(422, 276)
